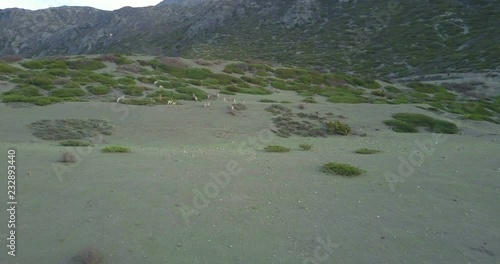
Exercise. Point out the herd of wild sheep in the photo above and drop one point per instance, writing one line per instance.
(195, 98)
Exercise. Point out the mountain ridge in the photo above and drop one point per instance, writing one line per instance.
(371, 37)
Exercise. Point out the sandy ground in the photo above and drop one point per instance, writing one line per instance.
(197, 188)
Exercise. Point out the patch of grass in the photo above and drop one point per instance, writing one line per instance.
(309, 100)
(86, 64)
(70, 129)
(36, 100)
(128, 80)
(276, 148)
(6, 68)
(305, 146)
(367, 151)
(342, 169)
(278, 109)
(392, 89)
(338, 127)
(400, 126)
(426, 87)
(116, 149)
(408, 123)
(420, 120)
(99, 90)
(267, 101)
(75, 143)
(202, 95)
(140, 101)
(379, 92)
(133, 90)
(68, 92)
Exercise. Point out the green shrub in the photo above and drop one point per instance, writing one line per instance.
(192, 90)
(392, 89)
(305, 146)
(267, 101)
(107, 79)
(133, 90)
(171, 95)
(41, 80)
(141, 101)
(238, 68)
(276, 148)
(279, 85)
(367, 151)
(342, 169)
(309, 100)
(129, 80)
(36, 100)
(5, 68)
(285, 73)
(86, 64)
(400, 126)
(74, 143)
(225, 79)
(420, 120)
(116, 149)
(378, 92)
(426, 87)
(338, 127)
(408, 123)
(68, 92)
(33, 64)
(99, 90)
(25, 90)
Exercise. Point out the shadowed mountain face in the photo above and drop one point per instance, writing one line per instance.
(389, 38)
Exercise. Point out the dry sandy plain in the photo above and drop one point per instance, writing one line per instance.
(198, 188)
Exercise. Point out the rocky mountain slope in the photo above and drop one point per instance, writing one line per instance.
(385, 38)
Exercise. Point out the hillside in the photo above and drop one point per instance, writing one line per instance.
(158, 80)
(374, 37)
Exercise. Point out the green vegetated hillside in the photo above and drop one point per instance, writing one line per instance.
(158, 80)
(369, 37)
(381, 38)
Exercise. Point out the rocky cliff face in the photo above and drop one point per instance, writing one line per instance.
(388, 37)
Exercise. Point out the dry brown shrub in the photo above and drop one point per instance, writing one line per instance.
(173, 62)
(10, 58)
(108, 57)
(60, 81)
(203, 62)
(130, 68)
(68, 157)
(89, 255)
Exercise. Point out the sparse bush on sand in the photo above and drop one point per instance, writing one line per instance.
(276, 148)
(367, 151)
(305, 146)
(116, 149)
(342, 169)
(337, 127)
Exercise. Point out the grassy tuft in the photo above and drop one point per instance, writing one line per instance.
(74, 143)
(338, 127)
(276, 148)
(342, 169)
(116, 149)
(367, 151)
(305, 146)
